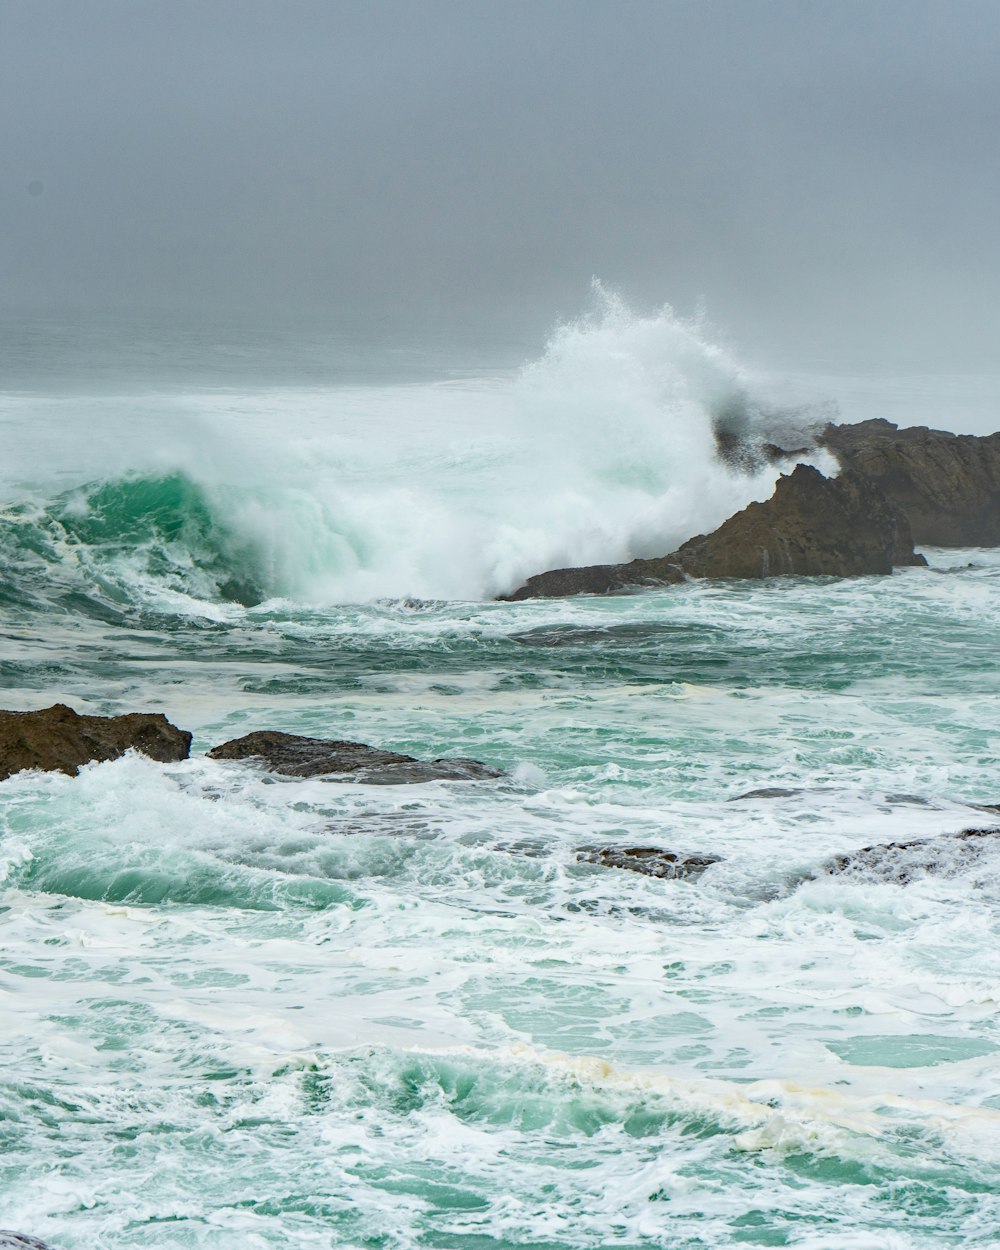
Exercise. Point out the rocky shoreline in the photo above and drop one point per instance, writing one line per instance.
(812, 526)
(57, 739)
(948, 485)
(896, 487)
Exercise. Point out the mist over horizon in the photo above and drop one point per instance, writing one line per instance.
(820, 179)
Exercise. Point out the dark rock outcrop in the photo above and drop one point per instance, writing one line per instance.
(599, 579)
(56, 739)
(811, 525)
(295, 756)
(947, 484)
(21, 1241)
(651, 861)
(901, 862)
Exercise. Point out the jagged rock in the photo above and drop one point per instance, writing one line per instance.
(296, 756)
(56, 739)
(927, 486)
(900, 862)
(651, 861)
(811, 525)
(947, 484)
(21, 1241)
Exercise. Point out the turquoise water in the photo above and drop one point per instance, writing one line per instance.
(248, 1011)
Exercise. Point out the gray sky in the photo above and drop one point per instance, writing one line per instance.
(825, 176)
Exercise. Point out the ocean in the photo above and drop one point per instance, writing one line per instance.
(240, 1010)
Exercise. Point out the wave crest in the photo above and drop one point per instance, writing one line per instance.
(112, 547)
(605, 448)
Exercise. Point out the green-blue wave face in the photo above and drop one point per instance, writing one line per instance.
(111, 549)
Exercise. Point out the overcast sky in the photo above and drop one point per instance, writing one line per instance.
(824, 176)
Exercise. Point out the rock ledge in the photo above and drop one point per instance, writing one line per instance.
(57, 739)
(296, 756)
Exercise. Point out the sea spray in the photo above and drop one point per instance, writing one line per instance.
(604, 448)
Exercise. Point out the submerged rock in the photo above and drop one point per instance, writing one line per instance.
(651, 861)
(296, 756)
(947, 484)
(766, 792)
(811, 526)
(57, 739)
(900, 862)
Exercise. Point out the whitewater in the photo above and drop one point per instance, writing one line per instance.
(241, 1010)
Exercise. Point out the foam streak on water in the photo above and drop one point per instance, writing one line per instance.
(245, 1011)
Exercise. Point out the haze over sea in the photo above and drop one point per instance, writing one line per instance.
(240, 1010)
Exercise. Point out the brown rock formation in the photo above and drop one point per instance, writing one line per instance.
(947, 484)
(295, 756)
(599, 579)
(56, 739)
(811, 525)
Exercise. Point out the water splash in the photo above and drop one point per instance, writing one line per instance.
(603, 449)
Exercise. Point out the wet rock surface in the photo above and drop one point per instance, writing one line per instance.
(296, 756)
(57, 739)
(948, 485)
(903, 862)
(21, 1241)
(896, 487)
(811, 526)
(651, 861)
(599, 579)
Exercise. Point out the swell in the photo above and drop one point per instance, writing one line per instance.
(628, 435)
(117, 548)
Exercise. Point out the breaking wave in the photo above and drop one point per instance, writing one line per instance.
(108, 548)
(605, 448)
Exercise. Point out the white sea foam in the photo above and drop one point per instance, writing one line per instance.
(242, 1010)
(601, 450)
